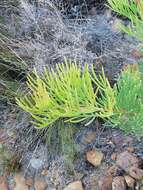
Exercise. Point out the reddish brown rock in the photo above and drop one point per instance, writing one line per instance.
(119, 183)
(3, 183)
(130, 149)
(136, 173)
(105, 183)
(94, 157)
(40, 184)
(126, 160)
(44, 172)
(129, 181)
(77, 185)
(29, 182)
(112, 170)
(19, 181)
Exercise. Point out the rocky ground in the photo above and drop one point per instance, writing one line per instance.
(106, 159)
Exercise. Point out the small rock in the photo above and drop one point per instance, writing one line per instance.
(3, 183)
(40, 184)
(44, 172)
(130, 149)
(89, 137)
(112, 170)
(114, 156)
(36, 163)
(119, 183)
(20, 182)
(136, 173)
(105, 183)
(95, 157)
(77, 185)
(125, 160)
(120, 140)
(29, 182)
(130, 181)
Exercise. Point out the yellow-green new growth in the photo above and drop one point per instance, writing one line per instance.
(67, 93)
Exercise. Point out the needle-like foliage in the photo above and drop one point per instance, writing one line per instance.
(74, 95)
(67, 93)
(128, 111)
(133, 10)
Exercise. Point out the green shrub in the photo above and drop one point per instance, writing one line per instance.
(67, 93)
(128, 110)
(133, 10)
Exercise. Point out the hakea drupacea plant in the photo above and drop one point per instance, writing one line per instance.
(67, 93)
(133, 11)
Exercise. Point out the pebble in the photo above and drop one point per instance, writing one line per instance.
(130, 181)
(130, 149)
(125, 160)
(36, 163)
(44, 172)
(19, 181)
(136, 173)
(29, 182)
(94, 157)
(105, 183)
(119, 183)
(77, 185)
(40, 184)
(112, 170)
(89, 137)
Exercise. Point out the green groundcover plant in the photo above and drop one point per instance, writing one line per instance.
(133, 10)
(67, 93)
(128, 110)
(72, 95)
